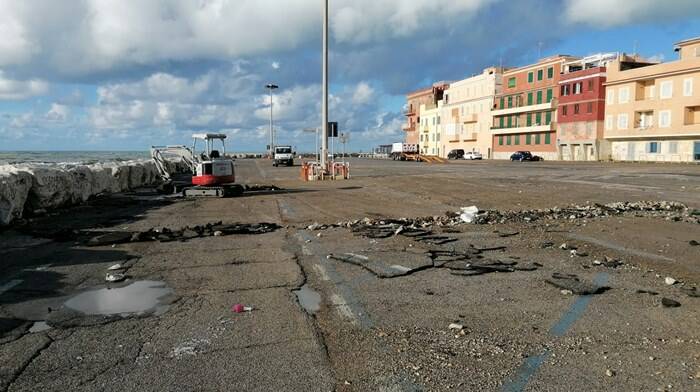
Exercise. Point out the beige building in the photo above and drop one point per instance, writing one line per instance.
(430, 129)
(652, 112)
(466, 113)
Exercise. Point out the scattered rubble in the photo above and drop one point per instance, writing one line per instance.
(669, 303)
(384, 228)
(576, 285)
(166, 235)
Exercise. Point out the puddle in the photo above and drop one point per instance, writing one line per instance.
(309, 299)
(39, 326)
(137, 298)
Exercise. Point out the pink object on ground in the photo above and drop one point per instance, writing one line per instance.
(238, 308)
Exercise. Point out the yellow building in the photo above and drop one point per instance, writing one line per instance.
(430, 129)
(466, 113)
(652, 112)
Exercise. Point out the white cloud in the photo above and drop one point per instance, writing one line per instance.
(275, 65)
(21, 89)
(609, 13)
(363, 94)
(58, 113)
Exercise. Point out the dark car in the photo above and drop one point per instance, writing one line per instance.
(525, 156)
(456, 154)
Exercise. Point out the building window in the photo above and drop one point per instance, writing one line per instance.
(510, 101)
(511, 82)
(590, 85)
(589, 108)
(610, 97)
(666, 89)
(624, 95)
(550, 72)
(548, 118)
(529, 119)
(438, 120)
(503, 103)
(577, 88)
(530, 77)
(537, 138)
(665, 118)
(540, 74)
(577, 109)
(529, 98)
(547, 138)
(510, 121)
(622, 121)
(673, 147)
(528, 139)
(447, 99)
(653, 147)
(539, 97)
(500, 140)
(517, 140)
(500, 122)
(688, 87)
(508, 140)
(538, 119)
(564, 90)
(564, 110)
(550, 95)
(609, 122)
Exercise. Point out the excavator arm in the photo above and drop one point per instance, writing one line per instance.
(161, 154)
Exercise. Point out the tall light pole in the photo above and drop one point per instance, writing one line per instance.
(271, 87)
(324, 104)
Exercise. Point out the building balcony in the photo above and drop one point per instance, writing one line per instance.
(408, 127)
(470, 118)
(524, 129)
(525, 108)
(409, 112)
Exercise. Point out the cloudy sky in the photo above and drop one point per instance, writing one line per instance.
(126, 74)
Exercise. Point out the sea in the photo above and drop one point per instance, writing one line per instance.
(68, 157)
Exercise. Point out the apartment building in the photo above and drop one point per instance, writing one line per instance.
(581, 109)
(414, 100)
(466, 113)
(524, 114)
(653, 111)
(430, 140)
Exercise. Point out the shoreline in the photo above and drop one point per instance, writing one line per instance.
(33, 188)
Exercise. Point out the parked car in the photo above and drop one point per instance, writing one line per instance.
(472, 155)
(456, 154)
(525, 156)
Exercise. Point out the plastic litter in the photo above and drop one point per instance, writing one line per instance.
(113, 278)
(468, 214)
(240, 308)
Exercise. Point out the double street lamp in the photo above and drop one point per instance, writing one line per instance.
(271, 87)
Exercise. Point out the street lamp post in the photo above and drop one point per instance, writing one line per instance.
(315, 130)
(324, 103)
(271, 87)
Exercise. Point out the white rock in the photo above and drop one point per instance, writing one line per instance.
(670, 281)
(14, 190)
(456, 326)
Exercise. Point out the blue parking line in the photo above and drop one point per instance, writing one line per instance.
(532, 364)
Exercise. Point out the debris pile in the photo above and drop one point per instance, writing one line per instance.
(189, 232)
(468, 262)
(383, 228)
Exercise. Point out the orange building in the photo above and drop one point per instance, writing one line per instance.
(524, 115)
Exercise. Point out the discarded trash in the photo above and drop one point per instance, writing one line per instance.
(115, 267)
(573, 283)
(468, 214)
(113, 278)
(670, 303)
(609, 373)
(456, 326)
(218, 233)
(240, 308)
(670, 281)
(567, 292)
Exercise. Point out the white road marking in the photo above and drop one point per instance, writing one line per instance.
(322, 271)
(343, 308)
(9, 285)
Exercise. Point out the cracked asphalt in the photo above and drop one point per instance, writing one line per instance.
(425, 330)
